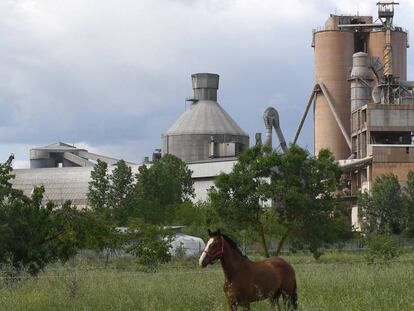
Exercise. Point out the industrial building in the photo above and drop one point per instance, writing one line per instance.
(363, 103)
(204, 136)
(363, 109)
(64, 155)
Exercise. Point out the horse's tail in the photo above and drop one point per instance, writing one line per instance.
(294, 298)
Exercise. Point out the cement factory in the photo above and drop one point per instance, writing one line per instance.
(363, 111)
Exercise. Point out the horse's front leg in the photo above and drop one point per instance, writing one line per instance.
(246, 307)
(232, 304)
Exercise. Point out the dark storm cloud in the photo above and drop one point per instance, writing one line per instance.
(113, 75)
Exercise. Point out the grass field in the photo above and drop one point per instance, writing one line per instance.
(336, 282)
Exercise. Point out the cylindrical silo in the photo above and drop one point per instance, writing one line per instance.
(360, 80)
(333, 63)
(376, 46)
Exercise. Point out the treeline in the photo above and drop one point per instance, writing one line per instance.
(34, 234)
(388, 207)
(267, 197)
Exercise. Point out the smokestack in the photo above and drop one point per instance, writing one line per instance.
(205, 86)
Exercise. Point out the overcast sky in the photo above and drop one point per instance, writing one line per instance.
(112, 75)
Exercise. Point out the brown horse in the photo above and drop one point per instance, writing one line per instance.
(247, 281)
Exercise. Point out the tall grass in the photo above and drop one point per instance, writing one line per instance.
(339, 282)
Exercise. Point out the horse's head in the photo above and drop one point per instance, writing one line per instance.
(214, 249)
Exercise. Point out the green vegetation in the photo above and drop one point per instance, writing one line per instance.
(335, 282)
(386, 211)
(384, 206)
(143, 203)
(303, 207)
(32, 234)
(37, 238)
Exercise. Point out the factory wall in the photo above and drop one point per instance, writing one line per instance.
(193, 147)
(399, 169)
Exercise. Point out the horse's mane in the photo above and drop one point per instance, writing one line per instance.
(233, 245)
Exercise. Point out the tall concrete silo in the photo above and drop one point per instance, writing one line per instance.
(204, 130)
(399, 42)
(333, 61)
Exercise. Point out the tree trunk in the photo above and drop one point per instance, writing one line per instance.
(107, 259)
(266, 250)
(281, 242)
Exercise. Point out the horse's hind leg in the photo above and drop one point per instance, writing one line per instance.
(274, 300)
(273, 303)
(246, 307)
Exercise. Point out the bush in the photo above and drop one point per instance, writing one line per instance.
(150, 244)
(381, 247)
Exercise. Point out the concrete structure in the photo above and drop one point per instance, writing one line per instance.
(364, 107)
(334, 45)
(204, 130)
(363, 113)
(205, 137)
(64, 155)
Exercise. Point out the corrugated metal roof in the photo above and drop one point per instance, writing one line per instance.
(205, 117)
(60, 184)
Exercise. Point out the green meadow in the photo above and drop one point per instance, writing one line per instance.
(335, 282)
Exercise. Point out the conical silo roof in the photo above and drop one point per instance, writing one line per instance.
(205, 117)
(204, 130)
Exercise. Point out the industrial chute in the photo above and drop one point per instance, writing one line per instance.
(271, 120)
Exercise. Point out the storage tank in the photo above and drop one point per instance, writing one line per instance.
(204, 130)
(360, 75)
(333, 63)
(376, 45)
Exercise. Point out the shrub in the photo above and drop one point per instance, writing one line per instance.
(150, 244)
(381, 247)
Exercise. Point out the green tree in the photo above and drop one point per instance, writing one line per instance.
(409, 191)
(160, 187)
(33, 234)
(238, 196)
(303, 191)
(98, 194)
(196, 217)
(383, 207)
(108, 198)
(299, 188)
(121, 186)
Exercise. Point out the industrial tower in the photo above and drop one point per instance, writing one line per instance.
(363, 103)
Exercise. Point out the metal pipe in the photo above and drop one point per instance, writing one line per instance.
(271, 119)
